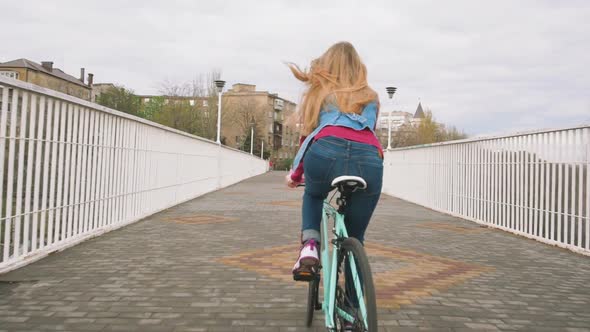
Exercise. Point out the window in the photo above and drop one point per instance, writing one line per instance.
(146, 100)
(270, 128)
(278, 104)
(205, 103)
(191, 102)
(8, 73)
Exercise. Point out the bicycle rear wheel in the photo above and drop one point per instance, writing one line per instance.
(346, 294)
(312, 299)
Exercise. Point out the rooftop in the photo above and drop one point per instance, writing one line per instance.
(25, 63)
(248, 89)
(419, 112)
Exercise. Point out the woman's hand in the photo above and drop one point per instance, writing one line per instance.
(290, 182)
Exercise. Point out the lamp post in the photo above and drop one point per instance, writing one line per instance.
(390, 92)
(262, 150)
(219, 84)
(252, 136)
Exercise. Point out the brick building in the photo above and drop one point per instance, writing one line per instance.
(45, 75)
(243, 107)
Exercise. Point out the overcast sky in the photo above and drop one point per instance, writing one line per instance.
(487, 67)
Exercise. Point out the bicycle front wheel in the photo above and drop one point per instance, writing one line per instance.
(355, 292)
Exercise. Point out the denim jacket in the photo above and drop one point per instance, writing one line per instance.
(331, 116)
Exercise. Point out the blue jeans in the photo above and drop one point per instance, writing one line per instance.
(328, 158)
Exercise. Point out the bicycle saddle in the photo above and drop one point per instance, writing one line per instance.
(349, 182)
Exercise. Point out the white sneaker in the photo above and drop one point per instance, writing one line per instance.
(308, 262)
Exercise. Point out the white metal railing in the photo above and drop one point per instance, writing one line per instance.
(534, 184)
(72, 169)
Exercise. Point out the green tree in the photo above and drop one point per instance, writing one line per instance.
(191, 107)
(121, 99)
(152, 108)
(176, 113)
(427, 130)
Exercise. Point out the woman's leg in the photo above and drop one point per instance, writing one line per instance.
(363, 202)
(361, 207)
(319, 165)
(359, 214)
(312, 215)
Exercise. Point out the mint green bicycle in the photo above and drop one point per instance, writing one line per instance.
(348, 306)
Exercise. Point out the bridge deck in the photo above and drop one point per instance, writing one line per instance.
(222, 262)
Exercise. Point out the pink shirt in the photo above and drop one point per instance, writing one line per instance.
(361, 136)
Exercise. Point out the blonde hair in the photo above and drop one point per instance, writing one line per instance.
(337, 77)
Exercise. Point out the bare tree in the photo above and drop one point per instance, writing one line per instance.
(242, 114)
(405, 135)
(210, 103)
(191, 106)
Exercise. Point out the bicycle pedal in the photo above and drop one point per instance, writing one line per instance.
(303, 276)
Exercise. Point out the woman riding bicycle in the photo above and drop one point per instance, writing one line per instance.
(339, 113)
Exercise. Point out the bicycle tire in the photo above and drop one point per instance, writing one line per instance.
(352, 245)
(312, 299)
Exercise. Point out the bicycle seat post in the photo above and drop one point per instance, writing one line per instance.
(342, 201)
(346, 185)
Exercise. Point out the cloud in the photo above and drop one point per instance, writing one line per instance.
(484, 67)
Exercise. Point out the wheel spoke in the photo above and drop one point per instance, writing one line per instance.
(355, 297)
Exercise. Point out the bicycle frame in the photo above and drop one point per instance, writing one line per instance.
(330, 266)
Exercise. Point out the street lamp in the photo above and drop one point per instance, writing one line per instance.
(252, 123)
(219, 84)
(390, 92)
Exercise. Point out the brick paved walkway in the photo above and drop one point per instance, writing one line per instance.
(221, 263)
